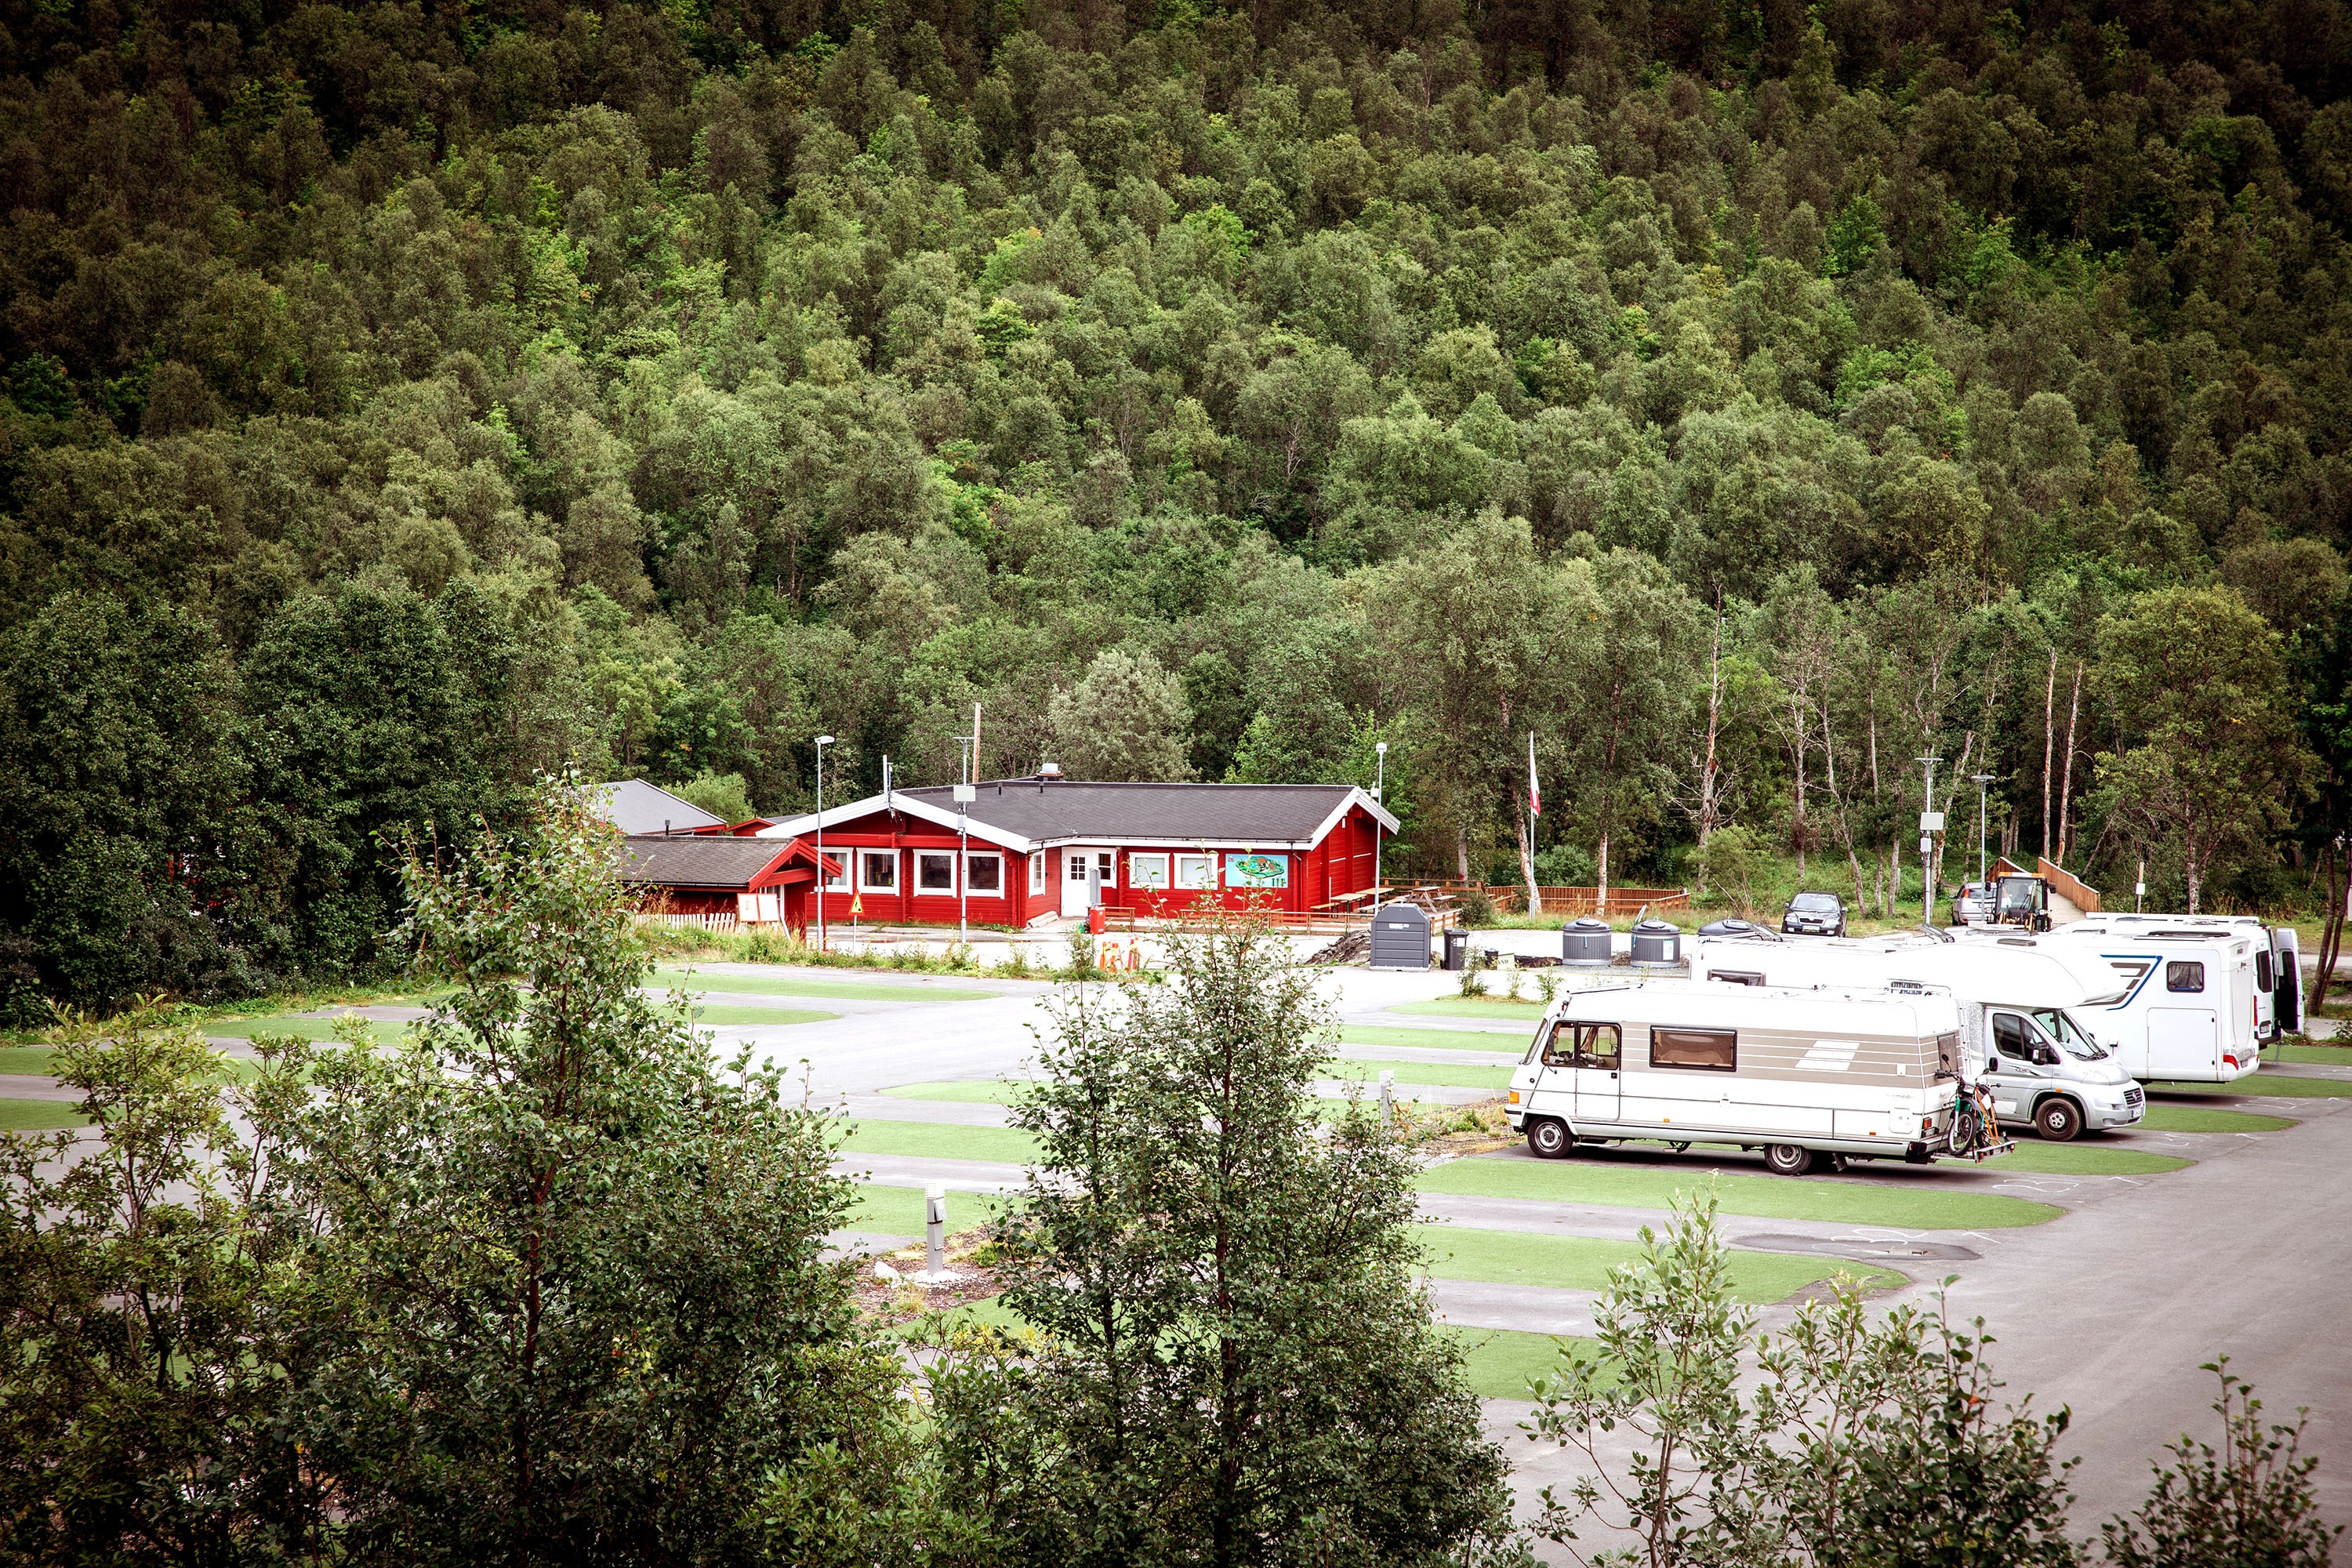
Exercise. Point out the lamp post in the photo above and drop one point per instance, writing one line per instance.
(1380, 788)
(822, 742)
(1981, 780)
(1927, 846)
(965, 793)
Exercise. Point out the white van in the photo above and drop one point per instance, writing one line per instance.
(2021, 1001)
(1810, 1077)
(2278, 957)
(2194, 1004)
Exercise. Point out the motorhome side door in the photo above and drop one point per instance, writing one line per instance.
(1554, 1093)
(1598, 1069)
(2182, 1020)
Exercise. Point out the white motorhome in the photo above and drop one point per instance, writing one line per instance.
(1810, 1077)
(2021, 1001)
(2278, 957)
(2196, 994)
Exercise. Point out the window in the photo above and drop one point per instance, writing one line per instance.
(1596, 1046)
(877, 870)
(984, 875)
(1196, 871)
(2262, 969)
(1147, 871)
(1074, 865)
(2184, 975)
(1947, 1055)
(1716, 1050)
(2009, 1036)
(1738, 977)
(838, 881)
(934, 872)
(1037, 871)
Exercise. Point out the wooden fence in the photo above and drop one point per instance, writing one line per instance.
(690, 922)
(1570, 902)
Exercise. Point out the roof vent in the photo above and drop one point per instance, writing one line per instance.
(1049, 769)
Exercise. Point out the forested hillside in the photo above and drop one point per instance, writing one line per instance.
(1745, 401)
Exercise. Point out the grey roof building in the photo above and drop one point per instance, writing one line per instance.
(636, 807)
(1023, 815)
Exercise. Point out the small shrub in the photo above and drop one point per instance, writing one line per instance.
(1548, 987)
(1477, 909)
(1473, 983)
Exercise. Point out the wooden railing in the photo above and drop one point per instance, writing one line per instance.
(2084, 896)
(691, 922)
(1570, 902)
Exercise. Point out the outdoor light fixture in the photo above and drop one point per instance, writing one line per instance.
(1380, 788)
(822, 742)
(1981, 780)
(1929, 823)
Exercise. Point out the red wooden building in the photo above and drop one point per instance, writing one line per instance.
(1040, 848)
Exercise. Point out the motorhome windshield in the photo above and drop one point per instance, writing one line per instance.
(2069, 1036)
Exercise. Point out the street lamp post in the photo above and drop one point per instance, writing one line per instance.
(1379, 789)
(822, 742)
(1927, 846)
(1981, 780)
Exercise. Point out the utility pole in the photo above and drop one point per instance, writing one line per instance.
(967, 790)
(822, 742)
(1380, 788)
(1930, 821)
(1981, 780)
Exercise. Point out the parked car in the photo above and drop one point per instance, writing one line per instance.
(1972, 905)
(1814, 914)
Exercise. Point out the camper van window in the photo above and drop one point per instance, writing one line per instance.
(2009, 1036)
(2062, 1028)
(2262, 969)
(1715, 1050)
(1738, 977)
(1596, 1046)
(2184, 975)
(1947, 1055)
(1559, 1046)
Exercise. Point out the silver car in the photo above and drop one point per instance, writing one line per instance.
(1972, 905)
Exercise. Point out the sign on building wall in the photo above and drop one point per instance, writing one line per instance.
(1257, 871)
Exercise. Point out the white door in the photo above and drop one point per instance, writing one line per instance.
(1074, 862)
(2180, 1042)
(1599, 1088)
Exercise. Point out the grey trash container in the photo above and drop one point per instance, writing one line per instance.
(1584, 940)
(1457, 948)
(1399, 938)
(1655, 941)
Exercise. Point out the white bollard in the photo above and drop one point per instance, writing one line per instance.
(1387, 1095)
(935, 1229)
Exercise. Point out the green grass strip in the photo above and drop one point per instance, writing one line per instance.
(943, 1140)
(1583, 1262)
(834, 990)
(1450, 1075)
(34, 1060)
(1435, 1039)
(1602, 1181)
(2086, 1160)
(38, 1115)
(2315, 1056)
(2277, 1085)
(714, 1017)
(898, 1211)
(2197, 1119)
(386, 1030)
(1528, 1012)
(1499, 1363)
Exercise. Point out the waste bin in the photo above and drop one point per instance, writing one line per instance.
(1655, 941)
(1399, 938)
(1584, 940)
(1457, 950)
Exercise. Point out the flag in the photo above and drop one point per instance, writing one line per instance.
(1535, 790)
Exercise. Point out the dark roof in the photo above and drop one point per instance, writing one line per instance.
(697, 862)
(1119, 812)
(635, 806)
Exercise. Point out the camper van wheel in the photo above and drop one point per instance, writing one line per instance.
(2058, 1119)
(1787, 1160)
(1550, 1140)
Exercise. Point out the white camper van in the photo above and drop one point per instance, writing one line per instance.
(2194, 1000)
(2278, 957)
(2021, 999)
(1810, 1077)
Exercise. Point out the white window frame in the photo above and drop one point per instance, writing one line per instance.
(1075, 863)
(838, 881)
(1037, 872)
(974, 859)
(946, 854)
(1140, 863)
(1204, 878)
(865, 887)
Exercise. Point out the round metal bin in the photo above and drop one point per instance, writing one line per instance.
(1655, 941)
(1584, 940)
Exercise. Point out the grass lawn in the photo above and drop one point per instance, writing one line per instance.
(786, 986)
(38, 1115)
(2197, 1119)
(1582, 1263)
(898, 1211)
(1433, 1039)
(34, 1059)
(386, 1030)
(941, 1141)
(1451, 1075)
(1599, 1180)
(2276, 1084)
(712, 1017)
(1528, 1012)
(1499, 1363)
(2086, 1160)
(2318, 1055)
